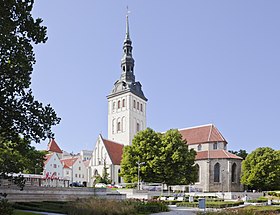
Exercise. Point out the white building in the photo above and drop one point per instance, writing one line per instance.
(86, 155)
(53, 168)
(74, 170)
(105, 152)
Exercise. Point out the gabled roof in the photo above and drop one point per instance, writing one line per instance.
(114, 150)
(53, 147)
(202, 134)
(68, 162)
(215, 154)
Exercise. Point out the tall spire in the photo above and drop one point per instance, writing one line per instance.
(127, 37)
(127, 82)
(127, 62)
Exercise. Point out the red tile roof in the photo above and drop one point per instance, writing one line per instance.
(215, 154)
(202, 134)
(68, 162)
(53, 147)
(114, 150)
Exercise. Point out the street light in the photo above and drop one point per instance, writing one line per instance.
(139, 164)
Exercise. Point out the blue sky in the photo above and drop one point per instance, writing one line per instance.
(199, 62)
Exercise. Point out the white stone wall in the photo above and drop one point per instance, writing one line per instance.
(77, 172)
(123, 119)
(53, 166)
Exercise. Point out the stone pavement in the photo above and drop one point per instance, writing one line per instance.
(179, 211)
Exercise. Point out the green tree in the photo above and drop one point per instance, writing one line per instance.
(105, 175)
(20, 157)
(21, 116)
(261, 169)
(165, 158)
(241, 153)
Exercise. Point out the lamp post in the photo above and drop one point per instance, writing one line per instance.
(139, 164)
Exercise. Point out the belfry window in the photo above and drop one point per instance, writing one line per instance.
(119, 104)
(137, 105)
(141, 107)
(137, 127)
(119, 126)
(123, 102)
(134, 103)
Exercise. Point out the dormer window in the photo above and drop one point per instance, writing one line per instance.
(199, 147)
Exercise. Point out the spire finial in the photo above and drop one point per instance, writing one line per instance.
(127, 37)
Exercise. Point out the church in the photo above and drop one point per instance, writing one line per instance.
(219, 170)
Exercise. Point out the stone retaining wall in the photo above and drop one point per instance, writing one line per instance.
(28, 194)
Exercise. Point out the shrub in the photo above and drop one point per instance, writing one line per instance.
(5, 207)
(113, 207)
(215, 204)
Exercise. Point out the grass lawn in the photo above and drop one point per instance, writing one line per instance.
(17, 212)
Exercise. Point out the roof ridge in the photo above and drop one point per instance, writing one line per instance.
(112, 141)
(210, 133)
(198, 126)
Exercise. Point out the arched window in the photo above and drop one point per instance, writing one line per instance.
(199, 147)
(233, 173)
(123, 102)
(119, 104)
(197, 169)
(215, 146)
(137, 127)
(217, 172)
(134, 103)
(119, 126)
(123, 124)
(114, 105)
(137, 105)
(141, 107)
(113, 126)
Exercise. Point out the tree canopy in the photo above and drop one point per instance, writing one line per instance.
(241, 153)
(21, 116)
(261, 169)
(165, 158)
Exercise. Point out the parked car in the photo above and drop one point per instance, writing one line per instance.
(101, 185)
(76, 184)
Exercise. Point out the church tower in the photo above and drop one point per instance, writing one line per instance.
(126, 102)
